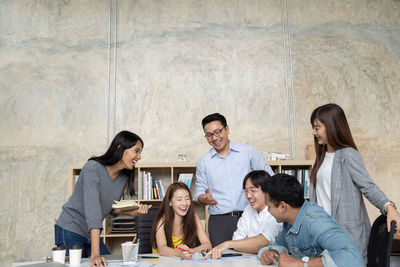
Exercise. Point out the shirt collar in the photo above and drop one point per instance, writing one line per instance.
(262, 213)
(234, 147)
(299, 218)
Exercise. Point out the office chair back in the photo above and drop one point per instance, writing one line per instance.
(380, 243)
(144, 224)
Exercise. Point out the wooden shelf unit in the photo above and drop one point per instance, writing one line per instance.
(169, 172)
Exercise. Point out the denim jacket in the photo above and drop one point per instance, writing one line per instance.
(314, 233)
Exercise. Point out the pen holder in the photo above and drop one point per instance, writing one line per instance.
(130, 252)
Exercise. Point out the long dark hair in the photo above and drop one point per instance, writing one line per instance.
(123, 140)
(166, 215)
(337, 131)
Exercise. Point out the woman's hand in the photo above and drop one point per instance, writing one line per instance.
(185, 253)
(143, 209)
(393, 215)
(216, 252)
(97, 260)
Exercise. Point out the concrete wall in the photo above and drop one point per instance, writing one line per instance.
(175, 62)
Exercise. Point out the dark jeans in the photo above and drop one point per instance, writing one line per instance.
(67, 238)
(221, 228)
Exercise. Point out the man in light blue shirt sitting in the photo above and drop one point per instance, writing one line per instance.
(310, 236)
(220, 174)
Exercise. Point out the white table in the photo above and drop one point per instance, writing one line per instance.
(248, 260)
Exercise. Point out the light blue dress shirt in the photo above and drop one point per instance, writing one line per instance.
(224, 176)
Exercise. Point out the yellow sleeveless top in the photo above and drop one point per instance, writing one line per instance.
(176, 241)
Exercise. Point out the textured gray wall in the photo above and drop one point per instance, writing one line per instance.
(176, 62)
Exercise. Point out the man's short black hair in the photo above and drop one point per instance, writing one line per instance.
(214, 117)
(286, 188)
(257, 178)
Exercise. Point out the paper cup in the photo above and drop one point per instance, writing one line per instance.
(130, 252)
(75, 255)
(59, 254)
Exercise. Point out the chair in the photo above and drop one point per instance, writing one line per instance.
(144, 224)
(380, 243)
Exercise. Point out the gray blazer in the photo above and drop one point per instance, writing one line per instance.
(349, 181)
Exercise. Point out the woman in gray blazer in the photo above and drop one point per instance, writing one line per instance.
(339, 177)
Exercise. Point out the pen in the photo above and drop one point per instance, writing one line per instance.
(148, 257)
(182, 249)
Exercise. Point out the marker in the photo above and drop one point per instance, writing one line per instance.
(148, 257)
(182, 249)
(231, 255)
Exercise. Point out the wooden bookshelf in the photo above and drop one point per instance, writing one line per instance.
(169, 172)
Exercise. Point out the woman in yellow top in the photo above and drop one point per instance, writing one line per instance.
(177, 230)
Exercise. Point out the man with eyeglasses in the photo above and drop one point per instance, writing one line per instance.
(220, 173)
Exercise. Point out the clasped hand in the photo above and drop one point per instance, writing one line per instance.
(270, 256)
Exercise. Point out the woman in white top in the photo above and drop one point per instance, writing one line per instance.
(256, 227)
(339, 178)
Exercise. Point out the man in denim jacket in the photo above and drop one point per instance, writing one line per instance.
(310, 237)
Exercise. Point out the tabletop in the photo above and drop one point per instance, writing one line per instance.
(116, 261)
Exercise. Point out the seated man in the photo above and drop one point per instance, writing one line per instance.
(256, 227)
(310, 237)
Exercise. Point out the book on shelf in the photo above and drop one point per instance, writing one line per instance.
(76, 178)
(151, 188)
(158, 187)
(303, 176)
(186, 178)
(161, 188)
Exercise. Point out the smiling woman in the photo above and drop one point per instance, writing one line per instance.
(101, 181)
(339, 179)
(177, 230)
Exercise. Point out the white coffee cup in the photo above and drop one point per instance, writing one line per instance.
(75, 255)
(59, 254)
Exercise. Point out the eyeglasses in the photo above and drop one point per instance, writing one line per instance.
(252, 191)
(216, 133)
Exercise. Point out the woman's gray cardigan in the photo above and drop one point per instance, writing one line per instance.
(349, 181)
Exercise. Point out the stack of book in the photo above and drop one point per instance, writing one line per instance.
(186, 178)
(151, 188)
(126, 204)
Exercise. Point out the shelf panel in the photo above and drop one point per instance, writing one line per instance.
(290, 162)
(165, 164)
(150, 200)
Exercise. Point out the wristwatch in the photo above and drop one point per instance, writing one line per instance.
(305, 260)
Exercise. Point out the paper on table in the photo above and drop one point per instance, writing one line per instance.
(198, 258)
(138, 264)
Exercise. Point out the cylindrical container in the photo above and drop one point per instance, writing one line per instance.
(75, 255)
(59, 254)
